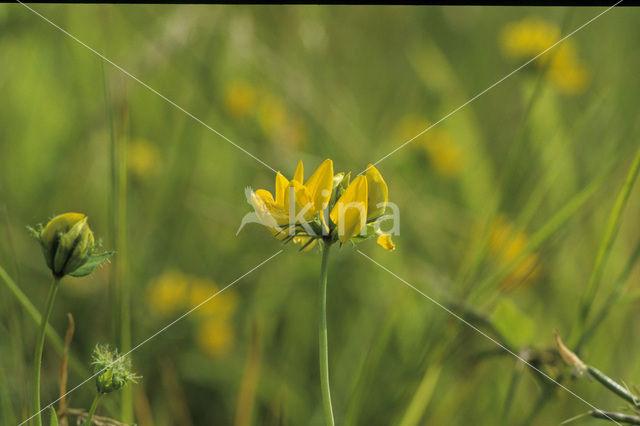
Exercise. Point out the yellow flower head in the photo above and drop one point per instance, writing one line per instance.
(240, 99)
(215, 337)
(326, 206)
(168, 292)
(530, 37)
(506, 243)
(444, 155)
(143, 158)
(223, 305)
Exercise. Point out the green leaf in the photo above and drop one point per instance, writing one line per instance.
(515, 326)
(91, 264)
(54, 417)
(370, 233)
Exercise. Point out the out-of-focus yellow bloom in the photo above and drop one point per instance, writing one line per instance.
(168, 292)
(215, 336)
(143, 158)
(507, 243)
(385, 242)
(531, 36)
(272, 115)
(444, 155)
(223, 305)
(240, 99)
(528, 37)
(567, 73)
(174, 291)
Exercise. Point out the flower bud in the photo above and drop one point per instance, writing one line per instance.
(113, 370)
(67, 242)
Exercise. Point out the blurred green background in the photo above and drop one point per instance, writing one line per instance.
(495, 220)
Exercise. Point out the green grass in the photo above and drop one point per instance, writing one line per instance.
(329, 82)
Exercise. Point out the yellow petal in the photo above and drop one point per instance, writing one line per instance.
(302, 199)
(378, 193)
(350, 212)
(265, 196)
(281, 185)
(385, 241)
(299, 176)
(320, 184)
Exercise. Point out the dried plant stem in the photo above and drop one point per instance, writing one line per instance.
(324, 350)
(37, 359)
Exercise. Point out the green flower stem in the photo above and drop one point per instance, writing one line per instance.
(616, 417)
(37, 359)
(92, 410)
(613, 224)
(322, 329)
(614, 386)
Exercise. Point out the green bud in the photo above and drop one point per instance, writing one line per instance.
(67, 242)
(113, 370)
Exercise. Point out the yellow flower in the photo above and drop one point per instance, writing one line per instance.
(168, 292)
(308, 199)
(143, 158)
(215, 337)
(240, 99)
(223, 305)
(356, 207)
(443, 154)
(272, 115)
(571, 78)
(507, 243)
(385, 242)
(350, 212)
(530, 37)
(378, 193)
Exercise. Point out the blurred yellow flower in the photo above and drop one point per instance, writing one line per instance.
(223, 305)
(529, 37)
(240, 99)
(568, 74)
(272, 115)
(174, 291)
(215, 336)
(168, 292)
(444, 155)
(143, 158)
(507, 243)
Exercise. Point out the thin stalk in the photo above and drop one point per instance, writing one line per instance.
(616, 417)
(37, 359)
(614, 386)
(609, 236)
(322, 331)
(92, 410)
(615, 295)
(125, 294)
